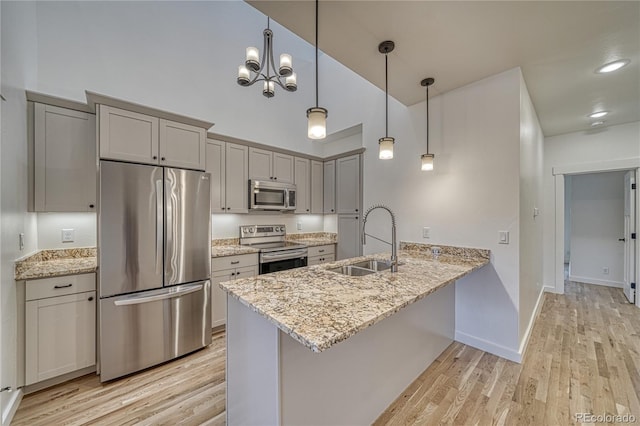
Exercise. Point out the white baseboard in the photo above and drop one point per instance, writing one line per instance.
(536, 311)
(487, 346)
(12, 407)
(550, 289)
(596, 281)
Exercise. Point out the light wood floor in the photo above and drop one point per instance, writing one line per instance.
(583, 356)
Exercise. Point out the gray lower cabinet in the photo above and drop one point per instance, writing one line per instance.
(64, 143)
(228, 268)
(60, 326)
(321, 254)
(349, 236)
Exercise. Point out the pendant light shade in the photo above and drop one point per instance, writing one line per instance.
(317, 116)
(427, 159)
(386, 148)
(317, 128)
(386, 144)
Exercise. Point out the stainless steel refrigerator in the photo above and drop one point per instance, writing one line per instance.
(154, 265)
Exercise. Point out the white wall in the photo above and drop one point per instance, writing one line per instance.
(50, 227)
(609, 143)
(226, 225)
(531, 159)
(19, 68)
(597, 221)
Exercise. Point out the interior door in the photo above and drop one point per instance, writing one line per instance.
(629, 243)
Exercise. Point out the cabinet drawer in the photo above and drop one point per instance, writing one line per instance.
(232, 262)
(317, 260)
(322, 250)
(60, 286)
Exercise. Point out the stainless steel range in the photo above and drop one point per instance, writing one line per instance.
(276, 254)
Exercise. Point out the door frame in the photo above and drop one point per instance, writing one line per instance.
(559, 173)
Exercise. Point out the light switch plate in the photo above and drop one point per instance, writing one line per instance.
(605, 270)
(426, 232)
(503, 237)
(299, 226)
(68, 235)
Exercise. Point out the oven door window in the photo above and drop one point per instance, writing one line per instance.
(268, 197)
(282, 265)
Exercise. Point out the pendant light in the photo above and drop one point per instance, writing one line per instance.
(386, 144)
(270, 76)
(427, 159)
(317, 116)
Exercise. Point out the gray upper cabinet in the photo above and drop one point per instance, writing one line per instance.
(237, 178)
(269, 165)
(216, 165)
(64, 144)
(140, 138)
(182, 145)
(303, 185)
(348, 184)
(317, 185)
(329, 187)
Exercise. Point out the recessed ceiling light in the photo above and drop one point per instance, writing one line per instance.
(598, 114)
(612, 66)
(597, 123)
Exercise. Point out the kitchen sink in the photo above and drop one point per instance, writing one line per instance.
(375, 265)
(352, 270)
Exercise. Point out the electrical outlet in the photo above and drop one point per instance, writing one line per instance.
(426, 232)
(21, 240)
(68, 235)
(299, 226)
(605, 270)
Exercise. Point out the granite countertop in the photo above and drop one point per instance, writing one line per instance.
(56, 263)
(231, 246)
(320, 308)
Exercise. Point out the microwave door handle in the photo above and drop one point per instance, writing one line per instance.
(286, 198)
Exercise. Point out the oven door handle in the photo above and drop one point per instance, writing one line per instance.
(290, 254)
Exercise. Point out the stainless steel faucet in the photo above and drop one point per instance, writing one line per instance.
(394, 255)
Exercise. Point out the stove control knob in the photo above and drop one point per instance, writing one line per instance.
(252, 230)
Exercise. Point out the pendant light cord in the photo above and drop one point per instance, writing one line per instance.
(317, 2)
(427, 119)
(386, 95)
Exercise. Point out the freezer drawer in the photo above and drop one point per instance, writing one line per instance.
(144, 329)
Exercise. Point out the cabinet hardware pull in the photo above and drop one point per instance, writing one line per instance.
(331, 209)
(233, 273)
(222, 208)
(235, 262)
(90, 299)
(162, 158)
(155, 157)
(62, 286)
(621, 239)
(321, 251)
(275, 178)
(91, 206)
(228, 208)
(356, 209)
(307, 209)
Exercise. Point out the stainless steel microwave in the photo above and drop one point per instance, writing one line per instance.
(267, 195)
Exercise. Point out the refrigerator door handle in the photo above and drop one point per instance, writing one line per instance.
(159, 204)
(136, 300)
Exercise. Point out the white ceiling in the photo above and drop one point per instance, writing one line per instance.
(558, 45)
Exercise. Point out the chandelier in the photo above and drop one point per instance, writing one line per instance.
(255, 70)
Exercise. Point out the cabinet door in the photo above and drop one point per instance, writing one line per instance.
(283, 166)
(302, 185)
(348, 184)
(128, 136)
(329, 187)
(216, 158)
(237, 179)
(316, 187)
(349, 242)
(219, 296)
(60, 335)
(260, 164)
(65, 169)
(182, 145)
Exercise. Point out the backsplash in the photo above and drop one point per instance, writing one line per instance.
(227, 225)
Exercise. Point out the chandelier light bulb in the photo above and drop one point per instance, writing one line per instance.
(243, 75)
(268, 89)
(285, 65)
(291, 82)
(253, 59)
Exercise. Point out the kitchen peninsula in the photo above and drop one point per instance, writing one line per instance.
(283, 364)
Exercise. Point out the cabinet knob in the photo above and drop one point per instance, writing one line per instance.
(223, 208)
(228, 208)
(162, 159)
(307, 209)
(275, 178)
(233, 273)
(155, 157)
(90, 299)
(356, 209)
(91, 206)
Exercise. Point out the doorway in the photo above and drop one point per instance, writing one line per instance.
(560, 174)
(595, 246)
